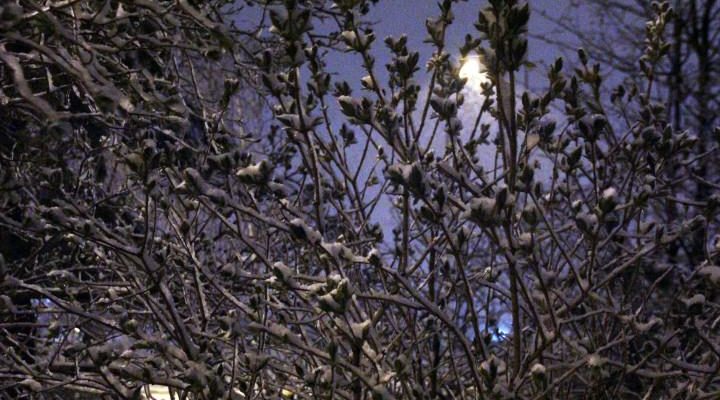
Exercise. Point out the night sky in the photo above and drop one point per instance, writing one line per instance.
(398, 17)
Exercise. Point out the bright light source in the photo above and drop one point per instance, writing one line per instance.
(474, 72)
(159, 392)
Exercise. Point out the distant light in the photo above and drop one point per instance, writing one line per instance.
(159, 392)
(474, 72)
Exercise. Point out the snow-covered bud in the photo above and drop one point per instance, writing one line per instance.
(492, 367)
(360, 330)
(256, 174)
(32, 384)
(711, 273)
(283, 273)
(338, 251)
(454, 126)
(356, 110)
(368, 82)
(539, 376)
(6, 304)
(595, 361)
(586, 222)
(537, 370)
(694, 304)
(504, 198)
(445, 107)
(525, 241)
(401, 364)
(408, 175)
(483, 211)
(357, 41)
(373, 257)
(591, 126)
(608, 200)
(531, 215)
(647, 326)
(336, 300)
(300, 230)
(487, 274)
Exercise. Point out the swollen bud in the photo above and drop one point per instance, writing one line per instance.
(531, 215)
(538, 370)
(586, 222)
(608, 200)
(583, 56)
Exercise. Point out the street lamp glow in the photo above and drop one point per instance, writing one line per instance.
(474, 72)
